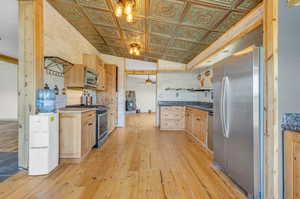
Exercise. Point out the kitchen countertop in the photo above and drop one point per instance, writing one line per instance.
(199, 105)
(291, 122)
(75, 110)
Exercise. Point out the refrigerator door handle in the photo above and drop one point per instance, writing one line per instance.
(225, 105)
(222, 107)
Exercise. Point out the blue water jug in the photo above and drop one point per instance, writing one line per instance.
(45, 101)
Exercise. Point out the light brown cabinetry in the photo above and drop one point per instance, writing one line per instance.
(94, 62)
(172, 118)
(292, 165)
(74, 76)
(111, 95)
(77, 134)
(197, 124)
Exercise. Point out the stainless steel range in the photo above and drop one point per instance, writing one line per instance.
(101, 122)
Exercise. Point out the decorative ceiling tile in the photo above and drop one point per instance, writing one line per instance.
(227, 3)
(153, 54)
(114, 42)
(203, 16)
(167, 37)
(213, 36)
(249, 4)
(189, 33)
(182, 44)
(159, 40)
(134, 36)
(68, 9)
(156, 48)
(175, 52)
(198, 48)
(174, 59)
(100, 17)
(138, 24)
(108, 32)
(104, 49)
(94, 3)
(161, 28)
(232, 19)
(167, 10)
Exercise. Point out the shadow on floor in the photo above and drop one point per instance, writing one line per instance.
(8, 164)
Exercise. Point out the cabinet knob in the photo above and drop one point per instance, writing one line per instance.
(90, 124)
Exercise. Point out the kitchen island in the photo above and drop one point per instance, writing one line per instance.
(194, 118)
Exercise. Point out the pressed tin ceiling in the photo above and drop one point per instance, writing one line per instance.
(174, 30)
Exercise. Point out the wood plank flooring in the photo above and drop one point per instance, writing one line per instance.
(137, 162)
(8, 136)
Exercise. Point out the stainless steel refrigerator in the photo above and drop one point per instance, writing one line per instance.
(237, 124)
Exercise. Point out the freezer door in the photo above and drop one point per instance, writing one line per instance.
(218, 137)
(239, 143)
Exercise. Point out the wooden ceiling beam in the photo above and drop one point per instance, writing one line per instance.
(251, 21)
(141, 72)
(9, 59)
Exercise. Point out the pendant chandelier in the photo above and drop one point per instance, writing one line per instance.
(149, 81)
(134, 49)
(125, 7)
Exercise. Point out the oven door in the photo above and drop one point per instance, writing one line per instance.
(103, 124)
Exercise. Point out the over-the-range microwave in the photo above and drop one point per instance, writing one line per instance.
(90, 77)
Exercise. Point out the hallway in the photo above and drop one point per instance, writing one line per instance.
(137, 162)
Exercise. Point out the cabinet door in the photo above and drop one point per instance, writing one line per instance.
(189, 121)
(292, 165)
(74, 77)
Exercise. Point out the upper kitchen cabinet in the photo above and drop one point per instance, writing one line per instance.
(95, 63)
(74, 76)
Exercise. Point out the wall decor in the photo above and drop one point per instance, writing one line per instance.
(292, 3)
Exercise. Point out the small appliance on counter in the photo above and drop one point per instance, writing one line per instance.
(43, 143)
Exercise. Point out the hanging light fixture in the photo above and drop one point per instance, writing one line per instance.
(148, 81)
(134, 49)
(125, 7)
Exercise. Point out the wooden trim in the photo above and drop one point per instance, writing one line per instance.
(141, 72)
(30, 69)
(247, 24)
(9, 59)
(271, 99)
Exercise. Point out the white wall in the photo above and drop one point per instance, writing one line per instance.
(133, 64)
(145, 94)
(8, 91)
(186, 80)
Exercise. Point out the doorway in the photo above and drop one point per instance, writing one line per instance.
(141, 94)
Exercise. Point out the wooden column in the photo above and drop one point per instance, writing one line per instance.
(30, 69)
(271, 98)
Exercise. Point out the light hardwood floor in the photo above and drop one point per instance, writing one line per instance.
(137, 162)
(8, 136)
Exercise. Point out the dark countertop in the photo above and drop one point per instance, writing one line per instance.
(199, 105)
(290, 122)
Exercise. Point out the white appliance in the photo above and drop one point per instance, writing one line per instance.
(43, 143)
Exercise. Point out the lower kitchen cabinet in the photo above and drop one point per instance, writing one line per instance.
(172, 118)
(197, 124)
(292, 165)
(77, 134)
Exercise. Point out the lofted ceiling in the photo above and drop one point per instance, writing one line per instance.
(174, 30)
